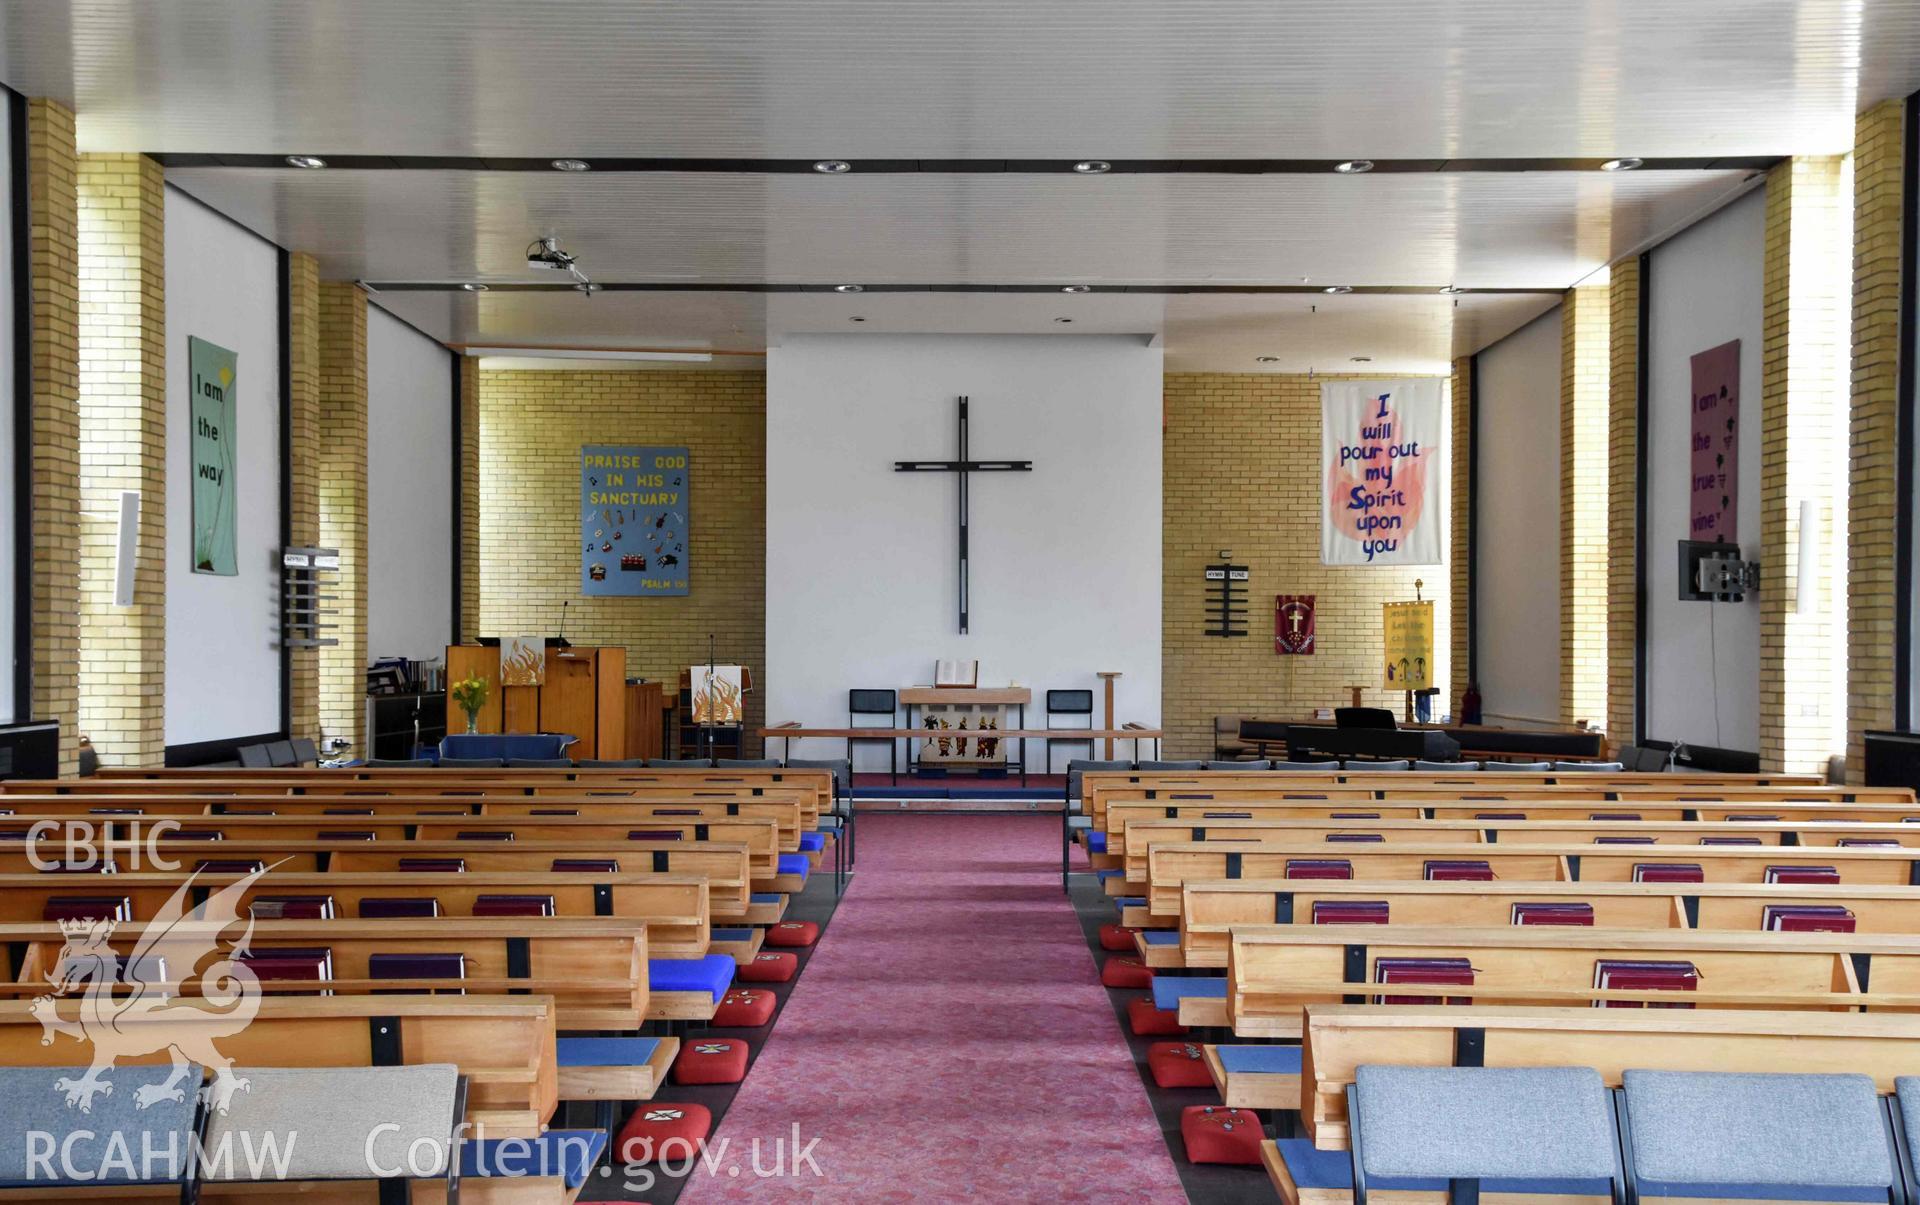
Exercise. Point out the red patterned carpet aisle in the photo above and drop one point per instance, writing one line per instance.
(950, 1039)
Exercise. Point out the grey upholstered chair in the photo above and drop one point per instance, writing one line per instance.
(1393, 766)
(1306, 767)
(1782, 1132)
(1588, 767)
(397, 763)
(613, 763)
(1472, 1124)
(1423, 766)
(539, 763)
(472, 763)
(1519, 767)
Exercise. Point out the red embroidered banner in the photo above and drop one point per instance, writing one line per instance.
(1293, 624)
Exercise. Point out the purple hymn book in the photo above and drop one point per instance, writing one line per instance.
(1499, 815)
(1456, 971)
(1613, 815)
(1553, 914)
(1801, 874)
(1730, 841)
(513, 905)
(196, 834)
(1348, 815)
(584, 866)
(1362, 838)
(356, 834)
(418, 966)
(291, 964)
(399, 908)
(655, 834)
(292, 907)
(1456, 870)
(1624, 841)
(347, 812)
(555, 812)
(1668, 872)
(1807, 918)
(230, 866)
(1627, 975)
(87, 907)
(502, 835)
(1319, 868)
(434, 865)
(1350, 912)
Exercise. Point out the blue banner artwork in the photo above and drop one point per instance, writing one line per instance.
(633, 520)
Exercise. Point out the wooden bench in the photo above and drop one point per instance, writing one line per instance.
(1172, 864)
(595, 968)
(1273, 970)
(1210, 910)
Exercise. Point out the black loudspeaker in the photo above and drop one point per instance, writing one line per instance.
(30, 750)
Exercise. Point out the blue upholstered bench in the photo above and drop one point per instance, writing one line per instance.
(565, 1156)
(687, 989)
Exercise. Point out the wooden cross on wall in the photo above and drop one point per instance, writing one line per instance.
(961, 468)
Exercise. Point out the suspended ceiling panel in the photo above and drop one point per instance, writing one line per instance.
(848, 78)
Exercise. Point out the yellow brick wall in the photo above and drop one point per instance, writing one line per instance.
(469, 490)
(1623, 465)
(1242, 471)
(1461, 578)
(303, 525)
(1802, 404)
(1879, 161)
(1584, 371)
(53, 252)
(531, 428)
(123, 446)
(342, 485)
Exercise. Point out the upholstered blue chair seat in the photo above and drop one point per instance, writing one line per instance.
(568, 1155)
(812, 843)
(711, 974)
(605, 1052)
(793, 864)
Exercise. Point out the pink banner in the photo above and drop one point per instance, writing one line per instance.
(1716, 445)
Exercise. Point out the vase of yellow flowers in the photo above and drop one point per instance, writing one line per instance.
(471, 694)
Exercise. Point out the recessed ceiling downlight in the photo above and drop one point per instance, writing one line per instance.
(1337, 289)
(1092, 167)
(1450, 290)
(311, 162)
(1266, 359)
(849, 288)
(832, 167)
(1354, 167)
(572, 165)
(1076, 288)
(1624, 164)
(475, 287)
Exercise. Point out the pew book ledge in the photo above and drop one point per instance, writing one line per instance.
(619, 1069)
(1255, 1077)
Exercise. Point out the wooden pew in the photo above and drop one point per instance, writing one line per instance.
(503, 1044)
(1272, 970)
(1340, 1037)
(595, 968)
(1171, 864)
(672, 907)
(1210, 910)
(1147, 833)
(723, 866)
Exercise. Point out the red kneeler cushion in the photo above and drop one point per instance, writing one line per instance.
(743, 1008)
(1116, 937)
(793, 934)
(1126, 972)
(1178, 1065)
(663, 1131)
(711, 1061)
(768, 968)
(1148, 1021)
(1216, 1134)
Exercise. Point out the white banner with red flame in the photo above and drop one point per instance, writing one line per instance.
(1383, 456)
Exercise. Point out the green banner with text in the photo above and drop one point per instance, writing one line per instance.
(211, 369)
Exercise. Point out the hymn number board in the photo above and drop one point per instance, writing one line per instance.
(633, 520)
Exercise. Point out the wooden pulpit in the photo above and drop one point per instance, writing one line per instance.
(584, 696)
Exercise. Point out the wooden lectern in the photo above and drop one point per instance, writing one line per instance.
(585, 696)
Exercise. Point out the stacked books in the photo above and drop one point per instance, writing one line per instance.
(1668, 872)
(399, 908)
(1801, 874)
(1806, 918)
(292, 907)
(1349, 912)
(1457, 971)
(291, 965)
(1319, 868)
(1621, 974)
(1456, 870)
(1553, 914)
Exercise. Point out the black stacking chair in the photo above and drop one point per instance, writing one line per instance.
(866, 702)
(254, 757)
(1069, 703)
(1363, 717)
(280, 754)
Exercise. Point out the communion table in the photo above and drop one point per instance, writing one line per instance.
(953, 718)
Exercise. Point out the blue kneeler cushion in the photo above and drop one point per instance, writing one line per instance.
(1259, 1060)
(1169, 990)
(1096, 842)
(792, 864)
(711, 974)
(764, 897)
(812, 843)
(730, 934)
(566, 1154)
(605, 1052)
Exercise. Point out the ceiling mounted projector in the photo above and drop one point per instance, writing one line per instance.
(546, 255)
